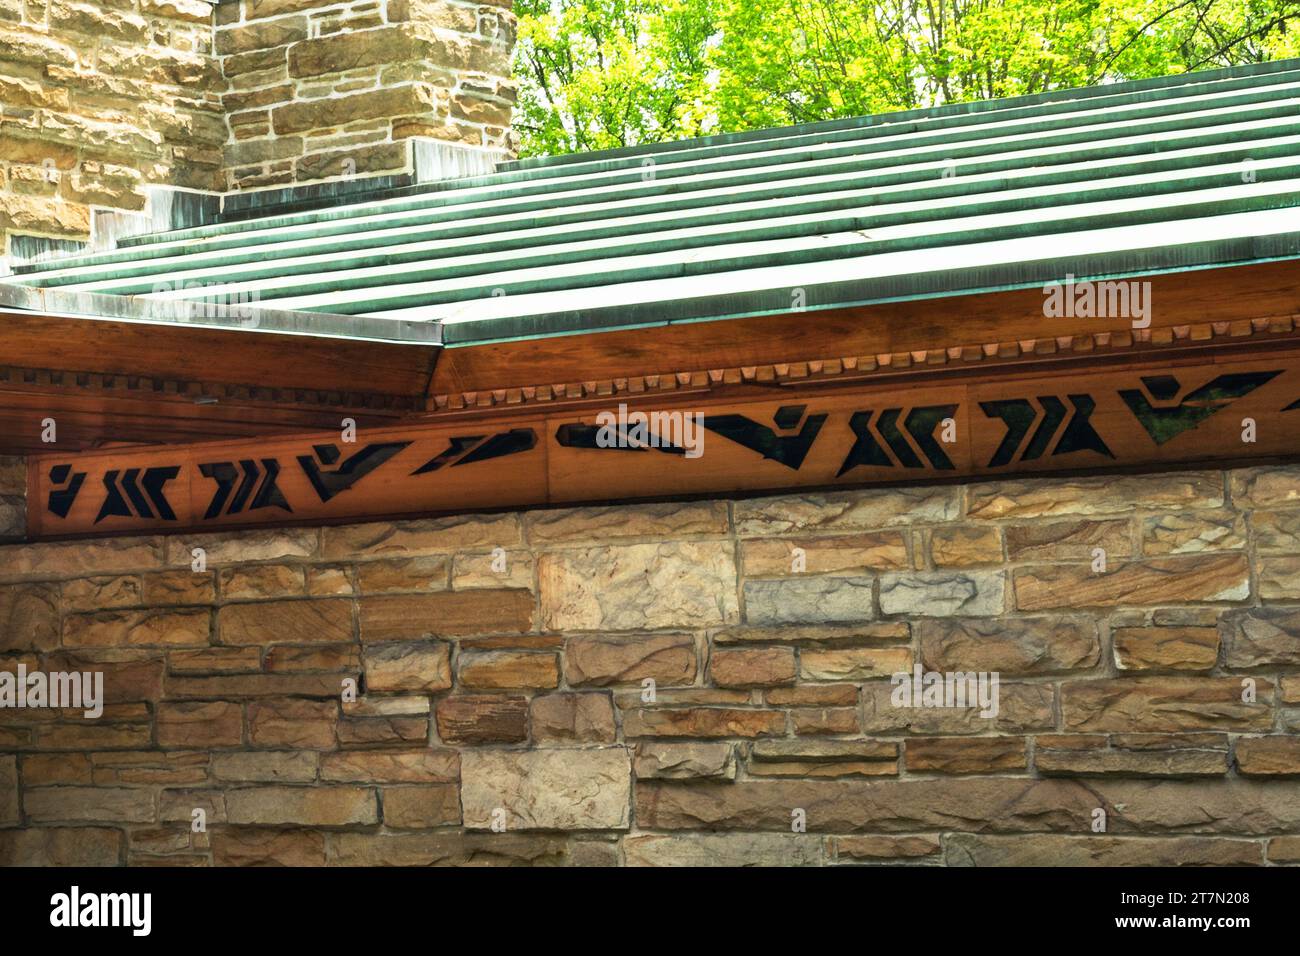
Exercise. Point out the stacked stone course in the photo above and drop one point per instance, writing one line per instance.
(504, 717)
(101, 100)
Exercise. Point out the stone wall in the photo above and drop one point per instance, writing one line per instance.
(101, 100)
(320, 90)
(504, 714)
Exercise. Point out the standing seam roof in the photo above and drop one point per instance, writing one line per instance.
(1195, 171)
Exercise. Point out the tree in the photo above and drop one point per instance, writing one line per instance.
(600, 73)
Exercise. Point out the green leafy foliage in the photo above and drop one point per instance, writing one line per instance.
(595, 74)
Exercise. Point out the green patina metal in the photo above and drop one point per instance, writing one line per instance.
(1189, 172)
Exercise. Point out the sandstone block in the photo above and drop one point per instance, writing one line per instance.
(547, 789)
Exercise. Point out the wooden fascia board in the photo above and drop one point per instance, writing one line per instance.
(995, 324)
(251, 357)
(1153, 415)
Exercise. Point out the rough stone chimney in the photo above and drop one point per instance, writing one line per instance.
(149, 114)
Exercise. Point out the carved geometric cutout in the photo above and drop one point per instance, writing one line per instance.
(1165, 424)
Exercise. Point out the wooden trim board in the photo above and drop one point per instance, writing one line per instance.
(1153, 417)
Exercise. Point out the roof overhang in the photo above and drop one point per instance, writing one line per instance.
(112, 369)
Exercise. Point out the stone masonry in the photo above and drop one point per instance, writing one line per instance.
(676, 683)
(101, 100)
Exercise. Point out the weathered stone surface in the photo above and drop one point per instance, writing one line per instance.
(822, 758)
(1280, 850)
(943, 593)
(883, 849)
(13, 475)
(79, 558)
(966, 754)
(116, 805)
(655, 520)
(411, 706)
(1193, 533)
(9, 789)
(683, 697)
(291, 658)
(389, 766)
(869, 510)
(724, 849)
(1170, 763)
(1051, 644)
(13, 509)
(1272, 756)
(243, 547)
(774, 557)
(482, 719)
(871, 805)
(242, 846)
(216, 660)
(1276, 532)
(275, 767)
(1149, 807)
(665, 658)
(1269, 487)
(628, 587)
(200, 724)
(29, 617)
(303, 115)
(1021, 708)
(853, 663)
(1211, 577)
(327, 581)
(1141, 704)
(410, 666)
(301, 724)
(425, 536)
(1166, 648)
(261, 35)
(1044, 497)
(1039, 849)
(145, 767)
(251, 685)
(547, 789)
(419, 808)
(813, 695)
(138, 628)
(304, 806)
(423, 573)
(340, 52)
(286, 622)
(703, 722)
(497, 670)
(1069, 540)
(964, 546)
(809, 600)
(573, 718)
(451, 849)
(1279, 578)
(41, 770)
(805, 721)
(178, 587)
(259, 581)
(361, 732)
(685, 761)
(480, 571)
(400, 617)
(1261, 636)
(752, 667)
(103, 593)
(882, 632)
(61, 846)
